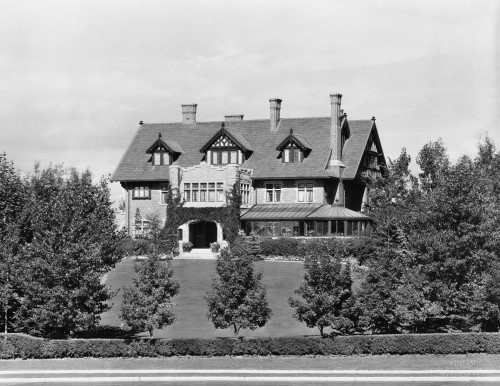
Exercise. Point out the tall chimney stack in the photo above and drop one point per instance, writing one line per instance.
(275, 105)
(335, 139)
(189, 114)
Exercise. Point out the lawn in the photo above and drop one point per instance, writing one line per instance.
(280, 279)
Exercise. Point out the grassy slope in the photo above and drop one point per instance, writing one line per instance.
(280, 279)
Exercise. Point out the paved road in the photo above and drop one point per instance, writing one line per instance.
(394, 370)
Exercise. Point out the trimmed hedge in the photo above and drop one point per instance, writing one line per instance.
(24, 346)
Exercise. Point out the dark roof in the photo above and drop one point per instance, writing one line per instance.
(301, 212)
(298, 139)
(328, 212)
(235, 135)
(252, 134)
(355, 146)
(280, 211)
(169, 144)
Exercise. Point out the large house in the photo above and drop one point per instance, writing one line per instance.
(298, 176)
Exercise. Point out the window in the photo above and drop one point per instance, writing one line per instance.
(164, 194)
(305, 192)
(245, 193)
(161, 157)
(224, 151)
(194, 192)
(141, 193)
(187, 192)
(273, 192)
(292, 154)
(211, 191)
(220, 191)
(203, 192)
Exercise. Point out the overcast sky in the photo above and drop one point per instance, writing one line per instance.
(78, 76)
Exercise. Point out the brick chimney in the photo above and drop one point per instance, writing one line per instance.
(234, 118)
(335, 139)
(275, 105)
(189, 114)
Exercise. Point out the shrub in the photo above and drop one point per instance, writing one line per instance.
(22, 346)
(283, 246)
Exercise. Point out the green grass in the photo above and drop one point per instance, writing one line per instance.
(280, 279)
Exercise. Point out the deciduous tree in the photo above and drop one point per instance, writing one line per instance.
(237, 298)
(148, 304)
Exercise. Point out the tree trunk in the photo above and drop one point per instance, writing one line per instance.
(236, 330)
(150, 332)
(321, 330)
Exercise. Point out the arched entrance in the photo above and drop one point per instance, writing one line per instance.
(202, 233)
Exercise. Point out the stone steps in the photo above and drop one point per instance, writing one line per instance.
(198, 254)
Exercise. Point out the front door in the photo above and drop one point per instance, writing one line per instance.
(202, 233)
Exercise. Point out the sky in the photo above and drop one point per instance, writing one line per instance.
(76, 77)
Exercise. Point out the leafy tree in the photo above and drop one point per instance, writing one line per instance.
(436, 244)
(237, 298)
(326, 293)
(12, 195)
(67, 236)
(147, 305)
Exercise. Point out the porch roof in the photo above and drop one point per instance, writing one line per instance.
(301, 212)
(280, 211)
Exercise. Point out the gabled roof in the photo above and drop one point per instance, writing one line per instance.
(235, 135)
(355, 146)
(170, 145)
(298, 139)
(253, 135)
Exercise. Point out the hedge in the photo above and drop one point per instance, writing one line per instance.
(24, 346)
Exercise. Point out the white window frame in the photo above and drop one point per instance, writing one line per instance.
(277, 186)
(308, 186)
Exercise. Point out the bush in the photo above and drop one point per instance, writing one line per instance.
(23, 346)
(283, 246)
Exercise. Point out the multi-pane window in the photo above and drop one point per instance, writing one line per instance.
(305, 192)
(220, 191)
(187, 192)
(204, 191)
(245, 193)
(273, 192)
(223, 152)
(141, 193)
(161, 157)
(164, 194)
(292, 154)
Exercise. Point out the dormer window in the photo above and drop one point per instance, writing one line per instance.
(224, 151)
(163, 152)
(294, 148)
(161, 157)
(292, 153)
(227, 146)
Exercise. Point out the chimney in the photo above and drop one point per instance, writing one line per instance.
(189, 114)
(275, 105)
(234, 118)
(335, 139)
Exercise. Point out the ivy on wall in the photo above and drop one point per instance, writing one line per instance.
(227, 216)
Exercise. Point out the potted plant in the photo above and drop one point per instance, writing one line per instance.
(214, 247)
(187, 246)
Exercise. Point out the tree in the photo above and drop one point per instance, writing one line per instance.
(326, 291)
(436, 244)
(147, 305)
(67, 236)
(12, 195)
(237, 298)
